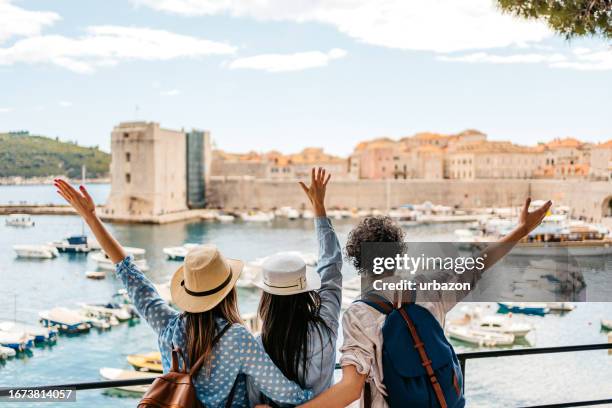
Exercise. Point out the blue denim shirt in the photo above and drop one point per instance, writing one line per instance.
(321, 357)
(237, 354)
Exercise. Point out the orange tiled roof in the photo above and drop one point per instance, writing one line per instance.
(566, 142)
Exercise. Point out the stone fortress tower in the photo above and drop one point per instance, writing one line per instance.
(155, 171)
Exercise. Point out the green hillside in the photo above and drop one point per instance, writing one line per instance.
(38, 156)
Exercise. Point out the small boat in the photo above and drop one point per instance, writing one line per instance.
(148, 362)
(65, 320)
(19, 220)
(95, 274)
(72, 245)
(35, 251)
(103, 261)
(6, 352)
(38, 334)
(107, 310)
(606, 324)
(119, 374)
(560, 306)
(481, 338)
(95, 321)
(16, 339)
(257, 216)
(179, 253)
(502, 324)
(539, 309)
(288, 212)
(224, 217)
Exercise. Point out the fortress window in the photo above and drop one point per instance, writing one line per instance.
(128, 178)
(127, 157)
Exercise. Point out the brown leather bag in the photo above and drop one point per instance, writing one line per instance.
(176, 389)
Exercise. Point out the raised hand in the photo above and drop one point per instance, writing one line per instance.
(316, 190)
(80, 201)
(528, 221)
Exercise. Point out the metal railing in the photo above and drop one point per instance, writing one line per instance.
(463, 357)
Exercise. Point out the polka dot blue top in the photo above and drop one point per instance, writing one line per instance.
(236, 355)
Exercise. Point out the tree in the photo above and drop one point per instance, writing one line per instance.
(570, 18)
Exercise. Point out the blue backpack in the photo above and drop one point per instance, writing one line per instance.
(420, 367)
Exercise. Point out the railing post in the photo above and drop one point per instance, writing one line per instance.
(462, 365)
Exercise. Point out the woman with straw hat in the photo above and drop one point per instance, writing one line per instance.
(203, 288)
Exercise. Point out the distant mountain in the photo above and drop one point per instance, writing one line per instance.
(38, 156)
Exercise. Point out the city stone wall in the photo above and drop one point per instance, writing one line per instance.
(588, 199)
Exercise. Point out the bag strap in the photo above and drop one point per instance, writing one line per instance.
(193, 371)
(367, 395)
(377, 302)
(230, 397)
(426, 362)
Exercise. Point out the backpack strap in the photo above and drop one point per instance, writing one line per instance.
(420, 347)
(193, 371)
(377, 302)
(230, 397)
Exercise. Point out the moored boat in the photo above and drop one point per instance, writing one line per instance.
(38, 334)
(16, 339)
(481, 338)
(95, 275)
(257, 216)
(525, 308)
(147, 362)
(107, 310)
(502, 324)
(118, 374)
(6, 352)
(560, 306)
(103, 261)
(221, 217)
(35, 251)
(65, 320)
(606, 324)
(76, 244)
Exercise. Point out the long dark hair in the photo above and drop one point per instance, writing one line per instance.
(286, 322)
(201, 328)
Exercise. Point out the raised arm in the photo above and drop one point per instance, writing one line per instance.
(528, 221)
(329, 265)
(140, 289)
(86, 208)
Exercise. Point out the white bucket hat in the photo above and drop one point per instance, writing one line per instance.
(286, 274)
(204, 279)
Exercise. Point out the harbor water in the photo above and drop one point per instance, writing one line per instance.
(29, 286)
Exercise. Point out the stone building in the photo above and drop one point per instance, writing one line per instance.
(154, 169)
(601, 161)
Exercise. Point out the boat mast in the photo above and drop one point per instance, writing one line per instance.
(83, 172)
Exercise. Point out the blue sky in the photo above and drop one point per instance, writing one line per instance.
(286, 75)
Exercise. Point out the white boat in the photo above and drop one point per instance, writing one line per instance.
(118, 374)
(606, 324)
(103, 261)
(35, 251)
(502, 324)
(18, 340)
(19, 220)
(481, 338)
(108, 310)
(6, 352)
(257, 216)
(94, 320)
(38, 334)
(65, 320)
(178, 253)
(76, 244)
(95, 274)
(288, 212)
(224, 217)
(560, 306)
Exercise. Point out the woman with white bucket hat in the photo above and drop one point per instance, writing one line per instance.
(300, 306)
(208, 329)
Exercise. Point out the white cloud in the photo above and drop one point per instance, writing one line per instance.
(171, 92)
(430, 25)
(107, 45)
(288, 62)
(6, 110)
(583, 59)
(15, 21)
(65, 104)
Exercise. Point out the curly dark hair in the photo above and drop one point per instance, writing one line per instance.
(371, 229)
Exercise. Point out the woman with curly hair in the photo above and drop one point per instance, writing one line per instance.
(362, 324)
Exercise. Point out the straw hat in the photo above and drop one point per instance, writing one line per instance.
(286, 274)
(204, 279)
